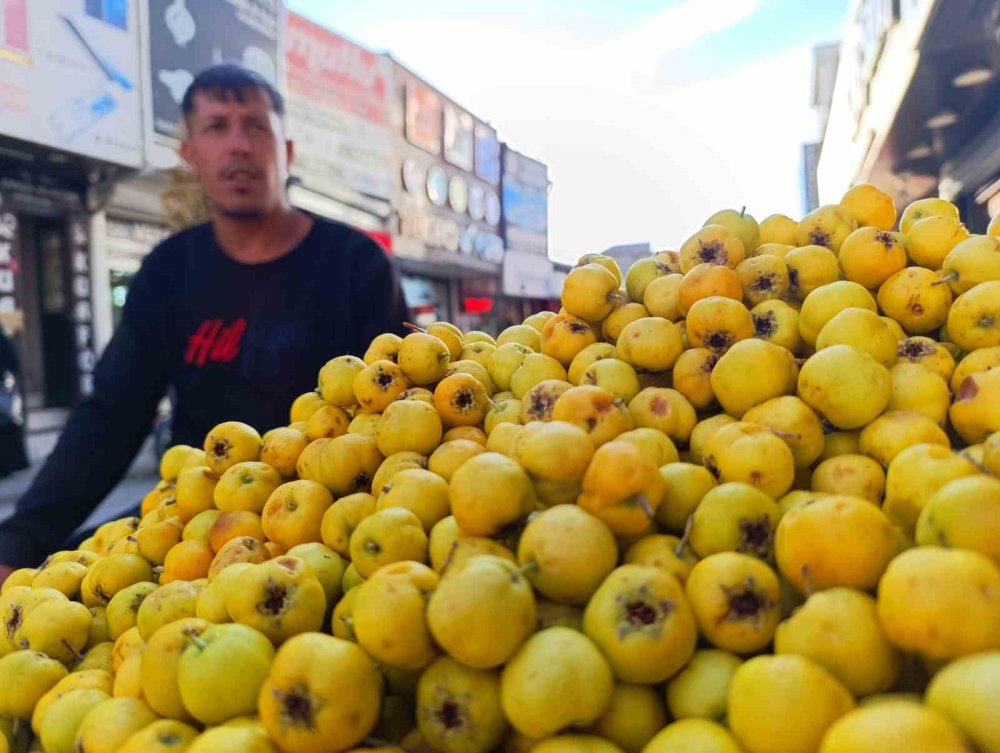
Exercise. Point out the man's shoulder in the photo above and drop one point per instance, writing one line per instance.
(173, 247)
(337, 236)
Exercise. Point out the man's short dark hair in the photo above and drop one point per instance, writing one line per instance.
(230, 80)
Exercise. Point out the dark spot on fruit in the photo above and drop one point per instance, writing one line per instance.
(711, 252)
(968, 391)
(818, 238)
(591, 424)
(793, 278)
(14, 621)
(137, 601)
(914, 349)
(709, 364)
(275, 599)
(712, 466)
(577, 328)
(763, 282)
(986, 320)
(659, 406)
(168, 739)
(296, 706)
(372, 547)
(292, 505)
(826, 426)
(640, 613)
(220, 448)
(757, 537)
(764, 325)
(464, 400)
(718, 340)
(885, 239)
(917, 309)
(746, 602)
(450, 715)
(362, 481)
(384, 379)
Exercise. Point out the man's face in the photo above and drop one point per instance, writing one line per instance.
(239, 152)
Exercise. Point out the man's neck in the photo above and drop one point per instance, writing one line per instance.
(261, 239)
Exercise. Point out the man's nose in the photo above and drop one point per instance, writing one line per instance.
(239, 141)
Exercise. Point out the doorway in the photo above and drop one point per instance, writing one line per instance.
(49, 356)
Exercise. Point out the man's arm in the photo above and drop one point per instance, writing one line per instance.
(103, 433)
(381, 307)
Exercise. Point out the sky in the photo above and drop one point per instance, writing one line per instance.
(650, 115)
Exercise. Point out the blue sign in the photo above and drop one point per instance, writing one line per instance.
(525, 196)
(487, 155)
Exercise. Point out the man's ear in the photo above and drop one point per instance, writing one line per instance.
(186, 152)
(289, 152)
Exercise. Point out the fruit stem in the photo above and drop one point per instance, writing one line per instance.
(76, 654)
(945, 279)
(414, 327)
(529, 567)
(451, 556)
(785, 434)
(743, 210)
(682, 544)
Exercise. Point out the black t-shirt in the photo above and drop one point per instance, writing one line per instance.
(234, 341)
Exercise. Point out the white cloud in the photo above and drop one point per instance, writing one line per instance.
(631, 159)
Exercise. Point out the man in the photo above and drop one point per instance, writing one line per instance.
(237, 315)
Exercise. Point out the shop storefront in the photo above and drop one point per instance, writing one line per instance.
(446, 210)
(70, 127)
(915, 105)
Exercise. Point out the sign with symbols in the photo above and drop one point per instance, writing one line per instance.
(82, 312)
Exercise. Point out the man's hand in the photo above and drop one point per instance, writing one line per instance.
(4, 572)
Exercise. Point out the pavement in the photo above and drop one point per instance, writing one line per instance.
(140, 478)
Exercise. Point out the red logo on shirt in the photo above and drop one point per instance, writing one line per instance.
(215, 341)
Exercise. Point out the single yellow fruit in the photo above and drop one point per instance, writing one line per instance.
(915, 474)
(967, 691)
(869, 206)
(778, 228)
(943, 603)
(458, 707)
(846, 386)
(826, 301)
(229, 443)
(893, 725)
(109, 724)
(752, 372)
(700, 690)
(869, 256)
(488, 493)
(784, 704)
(852, 475)
(633, 718)
(913, 298)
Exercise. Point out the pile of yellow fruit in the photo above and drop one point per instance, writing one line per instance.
(745, 498)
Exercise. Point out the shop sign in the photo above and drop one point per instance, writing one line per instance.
(458, 138)
(11, 317)
(429, 229)
(69, 77)
(338, 111)
(141, 233)
(83, 310)
(528, 275)
(525, 193)
(187, 36)
(423, 117)
(487, 154)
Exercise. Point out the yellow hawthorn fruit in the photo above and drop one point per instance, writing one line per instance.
(869, 206)
(845, 385)
(566, 552)
(420, 491)
(967, 691)
(930, 240)
(595, 410)
(982, 359)
(734, 517)
(943, 603)
(641, 274)
(894, 431)
(706, 280)
(653, 443)
(408, 425)
(328, 421)
(613, 375)
(304, 406)
(640, 619)
(778, 323)
(557, 679)
(168, 603)
(340, 520)
(245, 486)
(281, 449)
(712, 244)
(834, 541)
(195, 491)
(348, 463)
(662, 297)
(423, 358)
(916, 388)
(490, 593)
(294, 513)
(633, 718)
(590, 292)
(928, 353)
(389, 535)
(554, 450)
(964, 513)
(827, 301)
(538, 403)
(520, 334)
(974, 318)
(504, 362)
(752, 372)
(870, 256)
(488, 493)
(693, 734)
(378, 384)
(178, 457)
(535, 368)
(828, 225)
(736, 601)
(893, 725)
(470, 433)
(450, 455)
(650, 343)
(336, 380)
(740, 223)
(752, 454)
(763, 278)
(229, 443)
(477, 352)
(717, 323)
(784, 704)
(623, 315)
(685, 486)
(777, 228)
(861, 329)
(27, 676)
(458, 707)
(622, 487)
(699, 690)
(160, 662)
(853, 475)
(281, 598)
(975, 413)
(839, 630)
(586, 357)
(109, 724)
(915, 474)
(187, 561)
(602, 260)
(972, 261)
(913, 298)
(322, 693)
